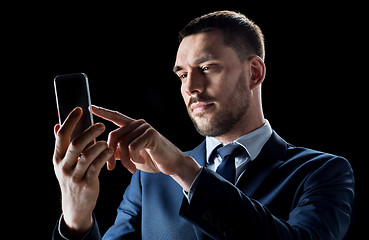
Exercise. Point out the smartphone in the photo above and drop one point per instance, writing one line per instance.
(71, 91)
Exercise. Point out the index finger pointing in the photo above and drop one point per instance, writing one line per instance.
(113, 116)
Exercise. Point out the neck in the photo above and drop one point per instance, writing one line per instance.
(238, 132)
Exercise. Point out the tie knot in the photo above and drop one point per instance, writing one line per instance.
(230, 150)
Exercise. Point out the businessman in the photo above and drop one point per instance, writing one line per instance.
(243, 182)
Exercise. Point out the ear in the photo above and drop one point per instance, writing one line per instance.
(257, 71)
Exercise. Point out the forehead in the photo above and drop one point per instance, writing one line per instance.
(201, 45)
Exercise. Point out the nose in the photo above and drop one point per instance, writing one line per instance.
(194, 83)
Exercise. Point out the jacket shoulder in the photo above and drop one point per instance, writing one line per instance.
(302, 156)
(199, 149)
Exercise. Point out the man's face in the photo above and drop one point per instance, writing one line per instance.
(214, 83)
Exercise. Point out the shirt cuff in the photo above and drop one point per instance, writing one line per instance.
(189, 194)
(63, 231)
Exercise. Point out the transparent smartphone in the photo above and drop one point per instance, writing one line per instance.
(71, 91)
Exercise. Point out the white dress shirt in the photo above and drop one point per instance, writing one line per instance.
(252, 142)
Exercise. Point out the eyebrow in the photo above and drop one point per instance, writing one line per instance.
(196, 62)
(176, 69)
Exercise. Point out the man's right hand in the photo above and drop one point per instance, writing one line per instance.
(77, 171)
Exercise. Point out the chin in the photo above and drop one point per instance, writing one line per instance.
(208, 127)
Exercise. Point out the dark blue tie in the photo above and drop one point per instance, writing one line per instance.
(227, 167)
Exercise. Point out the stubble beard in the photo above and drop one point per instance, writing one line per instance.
(224, 120)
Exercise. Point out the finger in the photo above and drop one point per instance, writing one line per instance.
(79, 143)
(72, 119)
(146, 140)
(64, 131)
(135, 149)
(56, 129)
(112, 116)
(125, 152)
(126, 135)
(127, 163)
(110, 164)
(94, 169)
(118, 136)
(87, 157)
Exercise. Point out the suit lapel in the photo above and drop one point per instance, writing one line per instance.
(271, 156)
(199, 153)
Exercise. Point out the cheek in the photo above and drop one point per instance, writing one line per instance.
(230, 88)
(222, 88)
(184, 95)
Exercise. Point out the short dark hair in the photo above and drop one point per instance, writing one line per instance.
(240, 33)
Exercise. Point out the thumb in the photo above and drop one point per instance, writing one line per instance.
(56, 129)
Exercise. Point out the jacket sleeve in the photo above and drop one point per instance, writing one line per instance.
(127, 224)
(60, 232)
(322, 211)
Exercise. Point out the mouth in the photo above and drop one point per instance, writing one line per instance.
(200, 107)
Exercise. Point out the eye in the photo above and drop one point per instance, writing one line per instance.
(182, 76)
(210, 67)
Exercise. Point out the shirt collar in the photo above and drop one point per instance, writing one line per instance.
(253, 142)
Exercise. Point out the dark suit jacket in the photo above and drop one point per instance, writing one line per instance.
(287, 192)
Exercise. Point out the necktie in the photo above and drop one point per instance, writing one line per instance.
(227, 168)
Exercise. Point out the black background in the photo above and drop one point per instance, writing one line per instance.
(313, 95)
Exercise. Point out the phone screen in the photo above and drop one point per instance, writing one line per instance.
(71, 91)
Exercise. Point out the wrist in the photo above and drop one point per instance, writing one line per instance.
(186, 172)
(76, 228)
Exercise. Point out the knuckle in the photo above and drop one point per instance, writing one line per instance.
(102, 144)
(132, 146)
(113, 134)
(64, 170)
(75, 143)
(93, 168)
(75, 178)
(110, 135)
(74, 151)
(146, 125)
(141, 121)
(58, 155)
(83, 159)
(151, 132)
(61, 133)
(108, 152)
